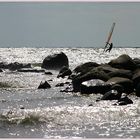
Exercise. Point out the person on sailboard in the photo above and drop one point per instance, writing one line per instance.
(110, 47)
(106, 48)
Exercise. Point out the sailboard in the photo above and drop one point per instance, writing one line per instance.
(109, 36)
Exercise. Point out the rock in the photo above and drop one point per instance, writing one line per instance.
(3, 65)
(94, 86)
(30, 70)
(1, 70)
(44, 85)
(67, 82)
(48, 73)
(114, 93)
(138, 90)
(125, 82)
(59, 85)
(106, 68)
(124, 100)
(56, 61)
(67, 89)
(83, 69)
(124, 62)
(65, 71)
(22, 107)
(111, 95)
(121, 73)
(117, 87)
(86, 67)
(136, 77)
(92, 74)
(137, 61)
(114, 72)
(14, 66)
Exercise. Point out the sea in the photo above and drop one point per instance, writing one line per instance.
(29, 112)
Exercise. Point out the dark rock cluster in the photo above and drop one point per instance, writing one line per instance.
(14, 66)
(114, 80)
(122, 72)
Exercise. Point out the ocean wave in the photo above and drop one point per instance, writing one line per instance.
(69, 115)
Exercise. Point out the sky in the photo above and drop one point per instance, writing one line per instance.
(69, 24)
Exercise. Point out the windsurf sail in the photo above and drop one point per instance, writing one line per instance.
(109, 36)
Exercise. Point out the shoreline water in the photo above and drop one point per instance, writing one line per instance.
(50, 113)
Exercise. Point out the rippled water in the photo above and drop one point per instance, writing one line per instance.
(53, 114)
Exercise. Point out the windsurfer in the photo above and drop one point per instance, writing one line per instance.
(110, 47)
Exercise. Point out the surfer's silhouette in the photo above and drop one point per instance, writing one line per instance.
(106, 48)
(110, 47)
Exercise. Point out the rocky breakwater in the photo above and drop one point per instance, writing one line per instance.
(121, 75)
(114, 80)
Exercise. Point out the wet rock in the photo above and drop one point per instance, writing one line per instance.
(124, 100)
(117, 87)
(65, 71)
(114, 93)
(67, 89)
(124, 62)
(67, 82)
(93, 74)
(136, 77)
(94, 86)
(48, 73)
(111, 95)
(59, 85)
(121, 73)
(17, 66)
(125, 82)
(106, 68)
(138, 90)
(56, 61)
(31, 70)
(86, 67)
(90, 105)
(3, 65)
(44, 85)
(14, 66)
(22, 107)
(137, 61)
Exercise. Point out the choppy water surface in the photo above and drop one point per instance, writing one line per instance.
(53, 114)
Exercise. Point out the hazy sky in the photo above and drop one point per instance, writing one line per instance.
(70, 24)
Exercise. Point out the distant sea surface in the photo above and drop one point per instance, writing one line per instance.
(53, 114)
